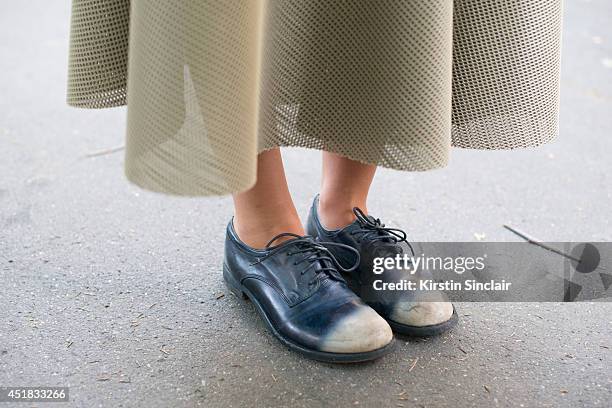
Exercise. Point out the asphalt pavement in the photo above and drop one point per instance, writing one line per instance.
(117, 293)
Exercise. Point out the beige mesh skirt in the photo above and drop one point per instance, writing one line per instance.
(396, 83)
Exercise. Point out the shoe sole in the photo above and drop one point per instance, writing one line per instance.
(425, 331)
(242, 292)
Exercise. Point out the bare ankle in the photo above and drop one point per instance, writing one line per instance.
(337, 213)
(257, 232)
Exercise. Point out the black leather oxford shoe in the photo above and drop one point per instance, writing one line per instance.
(410, 312)
(301, 296)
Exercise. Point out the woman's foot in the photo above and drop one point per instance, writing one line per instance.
(408, 312)
(297, 289)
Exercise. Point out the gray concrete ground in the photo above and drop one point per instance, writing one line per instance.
(116, 292)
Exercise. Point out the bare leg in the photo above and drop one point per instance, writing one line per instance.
(266, 210)
(345, 184)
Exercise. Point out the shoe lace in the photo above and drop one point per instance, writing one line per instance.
(315, 253)
(373, 229)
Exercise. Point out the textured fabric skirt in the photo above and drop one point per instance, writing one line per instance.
(396, 83)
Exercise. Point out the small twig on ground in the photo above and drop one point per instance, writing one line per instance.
(539, 243)
(413, 364)
(105, 152)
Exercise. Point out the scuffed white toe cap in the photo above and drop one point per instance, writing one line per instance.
(422, 313)
(359, 332)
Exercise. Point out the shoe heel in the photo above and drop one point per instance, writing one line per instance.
(232, 284)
